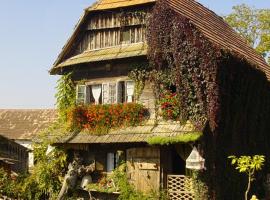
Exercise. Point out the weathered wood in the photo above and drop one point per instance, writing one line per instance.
(143, 168)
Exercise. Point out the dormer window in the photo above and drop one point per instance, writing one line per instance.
(125, 36)
(106, 93)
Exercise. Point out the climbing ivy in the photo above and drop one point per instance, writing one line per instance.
(65, 95)
(189, 59)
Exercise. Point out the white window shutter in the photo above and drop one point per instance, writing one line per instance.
(129, 91)
(80, 94)
(112, 93)
(105, 93)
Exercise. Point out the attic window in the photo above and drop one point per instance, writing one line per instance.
(125, 36)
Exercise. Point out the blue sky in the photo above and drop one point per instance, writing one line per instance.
(32, 34)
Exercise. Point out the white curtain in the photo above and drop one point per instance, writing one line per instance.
(110, 162)
(96, 91)
(130, 91)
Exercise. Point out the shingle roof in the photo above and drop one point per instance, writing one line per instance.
(136, 134)
(110, 53)
(25, 124)
(111, 4)
(218, 31)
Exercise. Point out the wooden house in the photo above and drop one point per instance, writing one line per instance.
(13, 157)
(108, 42)
(23, 125)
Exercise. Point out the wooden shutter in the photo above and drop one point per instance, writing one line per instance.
(120, 92)
(112, 93)
(130, 91)
(105, 93)
(80, 94)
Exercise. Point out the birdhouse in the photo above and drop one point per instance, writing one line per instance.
(195, 161)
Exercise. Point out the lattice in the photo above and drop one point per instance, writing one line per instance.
(180, 187)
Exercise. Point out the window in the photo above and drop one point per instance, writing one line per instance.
(125, 36)
(95, 93)
(81, 94)
(114, 159)
(106, 93)
(129, 91)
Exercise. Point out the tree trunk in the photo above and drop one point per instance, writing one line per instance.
(248, 187)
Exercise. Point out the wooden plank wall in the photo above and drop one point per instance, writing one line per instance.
(143, 168)
(105, 30)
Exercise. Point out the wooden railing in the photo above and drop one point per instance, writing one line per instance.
(180, 187)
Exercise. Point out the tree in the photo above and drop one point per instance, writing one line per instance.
(248, 165)
(254, 25)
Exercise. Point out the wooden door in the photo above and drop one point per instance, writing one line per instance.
(143, 168)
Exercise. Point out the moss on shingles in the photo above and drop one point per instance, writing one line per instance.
(184, 138)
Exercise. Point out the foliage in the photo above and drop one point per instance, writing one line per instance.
(102, 118)
(254, 25)
(118, 182)
(182, 55)
(169, 103)
(8, 185)
(183, 138)
(44, 182)
(139, 74)
(45, 179)
(248, 165)
(199, 187)
(65, 96)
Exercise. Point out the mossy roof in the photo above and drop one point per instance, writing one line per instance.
(112, 4)
(137, 134)
(110, 53)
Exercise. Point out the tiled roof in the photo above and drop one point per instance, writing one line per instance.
(136, 134)
(218, 31)
(25, 124)
(110, 53)
(111, 4)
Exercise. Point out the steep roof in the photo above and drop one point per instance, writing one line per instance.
(25, 124)
(210, 24)
(218, 31)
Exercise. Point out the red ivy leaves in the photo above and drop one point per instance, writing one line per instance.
(176, 44)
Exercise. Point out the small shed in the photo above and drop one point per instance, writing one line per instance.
(23, 125)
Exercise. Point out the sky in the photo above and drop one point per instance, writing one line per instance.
(32, 34)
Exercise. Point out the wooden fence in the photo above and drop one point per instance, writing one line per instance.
(180, 187)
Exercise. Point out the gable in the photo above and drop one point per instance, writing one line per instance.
(98, 30)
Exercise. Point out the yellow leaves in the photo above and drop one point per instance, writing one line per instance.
(248, 164)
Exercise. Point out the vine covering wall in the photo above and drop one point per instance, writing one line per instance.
(190, 59)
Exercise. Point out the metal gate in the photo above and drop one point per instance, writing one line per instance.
(180, 187)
